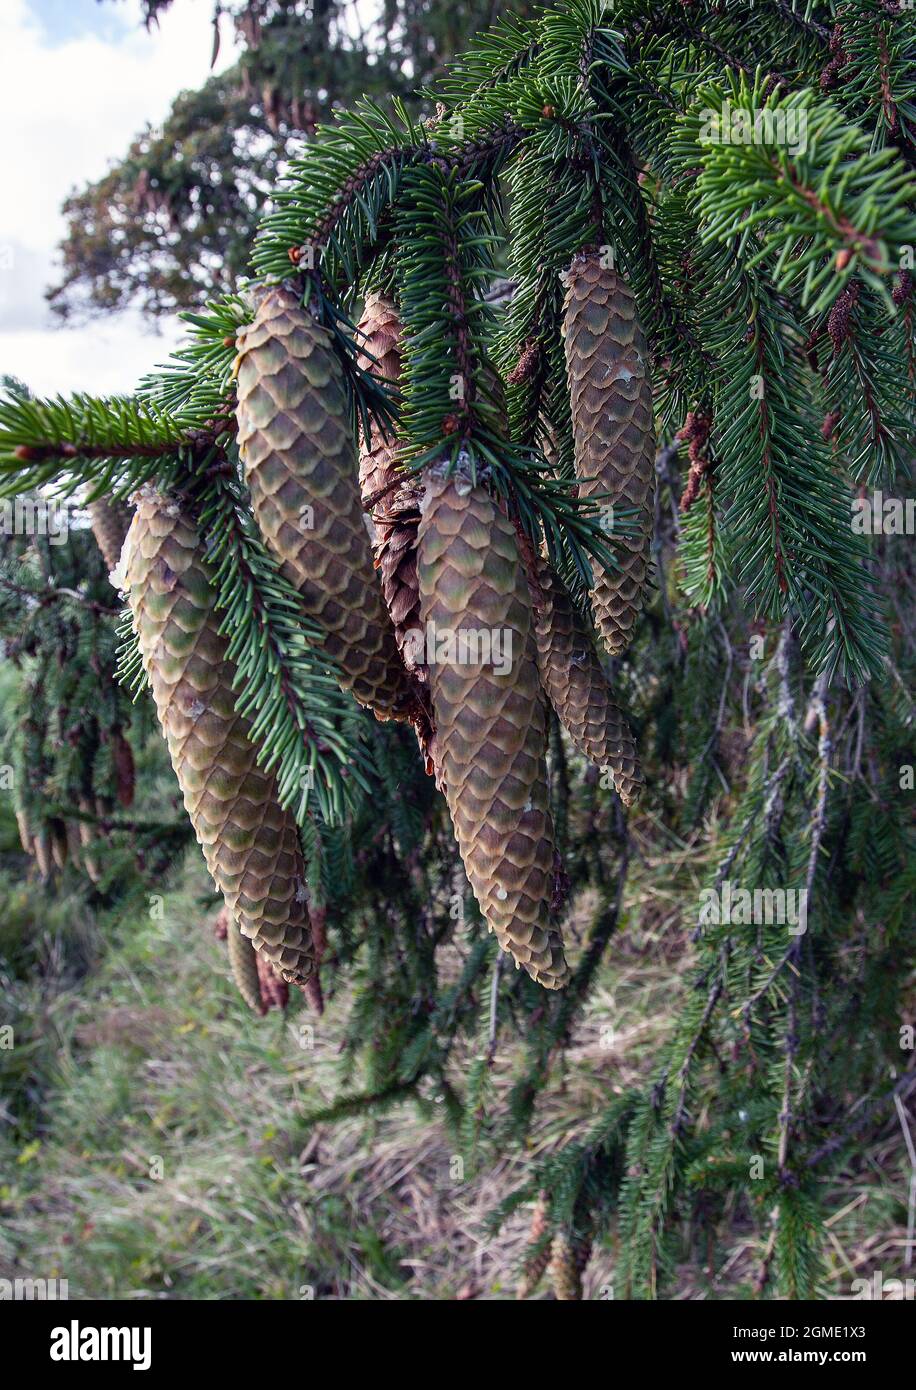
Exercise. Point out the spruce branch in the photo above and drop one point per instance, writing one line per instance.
(306, 728)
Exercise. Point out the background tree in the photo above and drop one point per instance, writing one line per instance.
(763, 283)
(171, 224)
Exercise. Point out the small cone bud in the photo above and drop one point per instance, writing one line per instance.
(565, 1276)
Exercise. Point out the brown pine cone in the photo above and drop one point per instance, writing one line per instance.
(25, 834)
(614, 430)
(243, 962)
(87, 840)
(565, 1274)
(125, 775)
(250, 843)
(397, 514)
(274, 990)
(537, 1262)
(317, 920)
(110, 522)
(296, 442)
(490, 723)
(572, 675)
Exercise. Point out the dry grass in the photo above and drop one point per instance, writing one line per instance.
(155, 1059)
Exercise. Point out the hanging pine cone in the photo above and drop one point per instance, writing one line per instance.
(491, 726)
(539, 1247)
(565, 1274)
(90, 862)
(582, 1253)
(614, 429)
(296, 444)
(251, 845)
(274, 990)
(41, 845)
(397, 514)
(318, 917)
(25, 834)
(74, 847)
(380, 354)
(110, 522)
(123, 759)
(243, 962)
(58, 844)
(575, 683)
(396, 518)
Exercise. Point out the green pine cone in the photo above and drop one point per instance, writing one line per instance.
(250, 843)
(491, 725)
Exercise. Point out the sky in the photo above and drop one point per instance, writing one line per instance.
(78, 80)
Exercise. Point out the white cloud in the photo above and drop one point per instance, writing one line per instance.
(106, 357)
(68, 108)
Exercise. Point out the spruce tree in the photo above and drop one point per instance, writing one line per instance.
(612, 227)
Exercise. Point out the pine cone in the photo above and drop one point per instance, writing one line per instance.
(42, 848)
(537, 1262)
(491, 726)
(274, 990)
(396, 519)
(243, 961)
(565, 1274)
(297, 446)
(59, 847)
(380, 355)
(74, 845)
(25, 835)
(125, 776)
(614, 429)
(110, 522)
(397, 514)
(251, 845)
(575, 683)
(90, 863)
(582, 1253)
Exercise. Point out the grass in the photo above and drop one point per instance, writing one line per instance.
(154, 1141)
